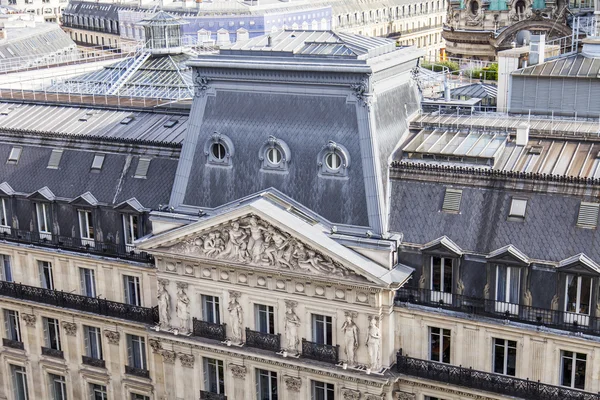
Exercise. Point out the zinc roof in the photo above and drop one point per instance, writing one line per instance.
(575, 66)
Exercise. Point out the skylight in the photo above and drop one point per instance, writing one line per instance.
(452, 199)
(126, 120)
(55, 157)
(517, 208)
(170, 123)
(15, 154)
(98, 162)
(142, 168)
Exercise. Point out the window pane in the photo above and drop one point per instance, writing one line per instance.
(499, 356)
(571, 297)
(435, 342)
(586, 289)
(501, 283)
(436, 273)
(513, 285)
(447, 275)
(580, 372)
(567, 368)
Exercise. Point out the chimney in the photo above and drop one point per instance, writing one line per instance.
(537, 48)
(269, 41)
(522, 134)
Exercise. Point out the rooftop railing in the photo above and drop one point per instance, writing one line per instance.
(487, 381)
(95, 247)
(540, 317)
(81, 303)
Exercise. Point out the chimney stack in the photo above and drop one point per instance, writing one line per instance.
(522, 134)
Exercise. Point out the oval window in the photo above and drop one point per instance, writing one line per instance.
(274, 156)
(218, 151)
(333, 161)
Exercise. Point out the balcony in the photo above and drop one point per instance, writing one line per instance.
(261, 340)
(47, 351)
(81, 303)
(209, 330)
(13, 344)
(93, 362)
(320, 352)
(204, 395)
(106, 249)
(486, 381)
(141, 372)
(505, 311)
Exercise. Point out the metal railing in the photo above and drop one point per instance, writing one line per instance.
(262, 340)
(141, 372)
(209, 330)
(107, 249)
(81, 303)
(204, 395)
(47, 351)
(487, 381)
(94, 362)
(501, 310)
(320, 352)
(13, 344)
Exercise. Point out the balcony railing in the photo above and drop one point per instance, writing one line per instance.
(47, 351)
(13, 344)
(209, 330)
(261, 340)
(486, 381)
(141, 372)
(320, 352)
(94, 362)
(204, 395)
(107, 249)
(501, 310)
(82, 303)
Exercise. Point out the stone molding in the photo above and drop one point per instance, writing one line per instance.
(70, 328)
(155, 345)
(29, 319)
(238, 371)
(169, 356)
(292, 383)
(112, 336)
(441, 388)
(404, 396)
(187, 360)
(350, 394)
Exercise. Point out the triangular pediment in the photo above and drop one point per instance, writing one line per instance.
(509, 255)
(86, 199)
(42, 194)
(130, 205)
(264, 236)
(579, 264)
(6, 189)
(442, 246)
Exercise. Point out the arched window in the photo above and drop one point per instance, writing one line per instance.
(219, 150)
(333, 160)
(274, 155)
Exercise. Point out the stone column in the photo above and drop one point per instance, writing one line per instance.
(187, 375)
(162, 365)
(293, 386)
(71, 353)
(114, 363)
(238, 372)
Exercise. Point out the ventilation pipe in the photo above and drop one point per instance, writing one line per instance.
(269, 41)
(522, 134)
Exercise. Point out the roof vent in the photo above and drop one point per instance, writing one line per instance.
(55, 157)
(142, 168)
(535, 150)
(522, 134)
(15, 154)
(170, 123)
(452, 199)
(98, 161)
(588, 215)
(126, 120)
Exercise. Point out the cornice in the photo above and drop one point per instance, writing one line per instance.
(446, 389)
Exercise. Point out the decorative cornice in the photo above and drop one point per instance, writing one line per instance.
(155, 345)
(170, 356)
(70, 328)
(238, 371)
(350, 394)
(187, 360)
(441, 388)
(112, 336)
(292, 383)
(29, 319)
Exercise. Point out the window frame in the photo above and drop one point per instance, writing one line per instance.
(58, 386)
(213, 365)
(444, 335)
(264, 317)
(12, 325)
(270, 145)
(509, 281)
(4, 216)
(95, 388)
(42, 211)
(83, 281)
(93, 335)
(132, 282)
(87, 234)
(19, 374)
(574, 359)
(131, 229)
(136, 360)
(46, 274)
(325, 170)
(52, 339)
(327, 327)
(225, 141)
(328, 390)
(211, 306)
(273, 383)
(512, 214)
(6, 273)
(505, 345)
(579, 278)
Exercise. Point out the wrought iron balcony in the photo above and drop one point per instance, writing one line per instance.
(141, 372)
(47, 351)
(204, 395)
(77, 302)
(209, 330)
(486, 381)
(13, 344)
(506, 311)
(261, 340)
(107, 249)
(94, 362)
(320, 352)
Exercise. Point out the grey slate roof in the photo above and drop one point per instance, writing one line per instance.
(478, 90)
(575, 66)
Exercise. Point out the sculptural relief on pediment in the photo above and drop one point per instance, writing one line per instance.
(251, 240)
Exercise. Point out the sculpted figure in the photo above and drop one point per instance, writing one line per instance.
(350, 339)
(233, 247)
(374, 345)
(183, 308)
(292, 323)
(237, 317)
(164, 304)
(256, 235)
(209, 244)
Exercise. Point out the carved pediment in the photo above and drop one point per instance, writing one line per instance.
(250, 240)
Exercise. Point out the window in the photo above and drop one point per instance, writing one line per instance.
(441, 279)
(133, 293)
(15, 154)
(572, 372)
(88, 282)
(12, 326)
(210, 309)
(137, 396)
(578, 298)
(265, 318)
(142, 167)
(588, 215)
(517, 208)
(219, 149)
(505, 357)
(98, 392)
(5, 268)
(452, 199)
(214, 378)
(274, 154)
(334, 160)
(322, 329)
(86, 227)
(4, 224)
(43, 220)
(266, 385)
(19, 382)
(52, 333)
(58, 387)
(322, 391)
(439, 340)
(46, 277)
(507, 289)
(55, 157)
(136, 352)
(98, 161)
(92, 339)
(130, 225)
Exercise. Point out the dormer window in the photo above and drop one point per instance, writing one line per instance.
(507, 273)
(4, 224)
(219, 150)
(441, 273)
(334, 160)
(441, 279)
(42, 211)
(86, 228)
(274, 155)
(508, 281)
(578, 297)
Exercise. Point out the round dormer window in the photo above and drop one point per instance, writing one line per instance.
(218, 151)
(274, 156)
(333, 161)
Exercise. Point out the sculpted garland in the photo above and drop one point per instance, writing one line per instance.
(252, 240)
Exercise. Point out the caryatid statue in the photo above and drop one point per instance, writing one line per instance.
(236, 314)
(164, 304)
(292, 324)
(374, 345)
(350, 330)
(183, 308)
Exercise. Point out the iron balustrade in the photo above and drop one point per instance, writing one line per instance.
(506, 311)
(487, 381)
(47, 351)
(204, 395)
(78, 302)
(209, 330)
(141, 372)
(262, 340)
(13, 344)
(94, 362)
(107, 249)
(320, 352)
